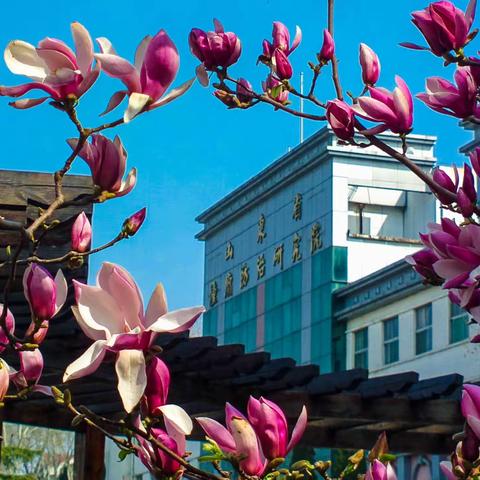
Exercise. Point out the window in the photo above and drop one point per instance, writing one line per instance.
(423, 329)
(458, 323)
(361, 348)
(390, 340)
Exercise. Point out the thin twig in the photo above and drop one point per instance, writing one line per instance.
(335, 74)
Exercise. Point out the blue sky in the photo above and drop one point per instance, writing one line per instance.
(191, 153)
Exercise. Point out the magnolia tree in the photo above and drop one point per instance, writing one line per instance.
(112, 313)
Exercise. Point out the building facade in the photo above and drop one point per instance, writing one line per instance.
(322, 215)
(394, 323)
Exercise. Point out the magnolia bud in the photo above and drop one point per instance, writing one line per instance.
(133, 223)
(328, 48)
(81, 233)
(370, 65)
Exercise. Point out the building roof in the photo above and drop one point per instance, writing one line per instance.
(389, 284)
(346, 409)
(296, 162)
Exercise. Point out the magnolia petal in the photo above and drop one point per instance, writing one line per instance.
(413, 46)
(217, 432)
(87, 363)
(25, 103)
(474, 424)
(297, 39)
(117, 67)
(106, 45)
(62, 290)
(140, 52)
(115, 100)
(98, 309)
(95, 332)
(173, 94)
(89, 80)
(299, 429)
(136, 103)
(22, 59)
(157, 306)
(177, 321)
(44, 389)
(83, 47)
(178, 417)
(447, 470)
(128, 184)
(132, 377)
(202, 75)
(470, 12)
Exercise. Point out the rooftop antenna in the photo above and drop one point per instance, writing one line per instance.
(301, 107)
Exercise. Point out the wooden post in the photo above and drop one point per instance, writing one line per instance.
(89, 463)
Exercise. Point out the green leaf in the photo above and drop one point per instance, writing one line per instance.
(210, 458)
(123, 454)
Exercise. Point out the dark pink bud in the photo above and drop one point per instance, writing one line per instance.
(267, 49)
(215, 49)
(45, 294)
(469, 183)
(328, 48)
(370, 65)
(10, 324)
(443, 179)
(281, 36)
(475, 160)
(244, 91)
(167, 465)
(341, 118)
(40, 334)
(282, 66)
(423, 262)
(81, 233)
(158, 383)
(133, 223)
(464, 203)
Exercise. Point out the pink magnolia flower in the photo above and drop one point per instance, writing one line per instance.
(107, 161)
(177, 425)
(10, 324)
(444, 26)
(458, 100)
(81, 233)
(45, 294)
(328, 48)
(457, 249)
(393, 110)
(53, 67)
(238, 438)
(112, 314)
(155, 68)
(133, 223)
(281, 40)
(447, 470)
(4, 379)
(341, 118)
(215, 49)
(380, 471)
(158, 383)
(271, 427)
(443, 179)
(370, 65)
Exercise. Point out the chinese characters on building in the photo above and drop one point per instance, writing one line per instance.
(316, 244)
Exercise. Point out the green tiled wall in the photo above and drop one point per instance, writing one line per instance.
(241, 319)
(283, 311)
(329, 271)
(210, 322)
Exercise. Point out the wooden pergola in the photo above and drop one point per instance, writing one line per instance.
(346, 409)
